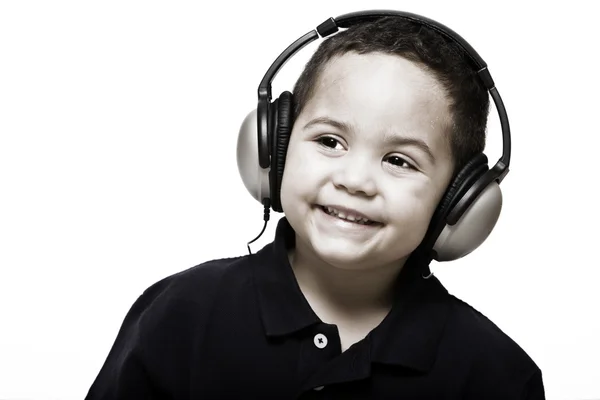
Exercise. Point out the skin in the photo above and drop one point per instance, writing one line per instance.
(339, 155)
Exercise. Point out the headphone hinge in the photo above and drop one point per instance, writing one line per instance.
(327, 27)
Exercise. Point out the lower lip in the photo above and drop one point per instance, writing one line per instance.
(345, 224)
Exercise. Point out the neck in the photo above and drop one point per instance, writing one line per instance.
(348, 290)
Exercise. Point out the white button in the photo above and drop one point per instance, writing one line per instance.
(318, 388)
(320, 340)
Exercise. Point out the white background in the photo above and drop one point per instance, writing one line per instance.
(118, 129)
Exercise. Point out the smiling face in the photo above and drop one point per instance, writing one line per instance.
(370, 143)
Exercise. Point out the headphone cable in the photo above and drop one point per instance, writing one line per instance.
(267, 211)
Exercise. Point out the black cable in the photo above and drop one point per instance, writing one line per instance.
(267, 211)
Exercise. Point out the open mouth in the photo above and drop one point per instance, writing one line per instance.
(347, 216)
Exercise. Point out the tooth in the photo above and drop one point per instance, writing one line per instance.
(346, 217)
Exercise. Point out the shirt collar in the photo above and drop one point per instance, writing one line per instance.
(408, 336)
(411, 333)
(283, 307)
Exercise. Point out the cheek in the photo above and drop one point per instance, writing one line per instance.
(300, 175)
(303, 164)
(413, 204)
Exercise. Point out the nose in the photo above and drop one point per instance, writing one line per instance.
(355, 174)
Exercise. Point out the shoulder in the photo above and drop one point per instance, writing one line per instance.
(172, 315)
(194, 288)
(163, 327)
(496, 360)
(483, 334)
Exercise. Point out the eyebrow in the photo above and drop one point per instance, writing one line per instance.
(389, 139)
(328, 121)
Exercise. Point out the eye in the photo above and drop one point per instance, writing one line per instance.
(401, 162)
(330, 142)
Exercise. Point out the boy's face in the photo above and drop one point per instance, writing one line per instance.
(372, 140)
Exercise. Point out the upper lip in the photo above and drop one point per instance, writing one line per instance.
(350, 211)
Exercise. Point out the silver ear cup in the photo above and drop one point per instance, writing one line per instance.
(255, 178)
(473, 228)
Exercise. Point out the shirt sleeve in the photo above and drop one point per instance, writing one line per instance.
(124, 374)
(159, 338)
(534, 388)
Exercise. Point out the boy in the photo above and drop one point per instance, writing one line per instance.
(337, 307)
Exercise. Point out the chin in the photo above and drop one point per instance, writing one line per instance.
(350, 255)
(342, 255)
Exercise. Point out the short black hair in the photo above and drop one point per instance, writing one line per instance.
(446, 60)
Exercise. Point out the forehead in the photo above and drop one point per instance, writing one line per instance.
(381, 93)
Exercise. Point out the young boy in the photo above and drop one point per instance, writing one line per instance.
(337, 307)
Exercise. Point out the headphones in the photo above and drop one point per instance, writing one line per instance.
(471, 205)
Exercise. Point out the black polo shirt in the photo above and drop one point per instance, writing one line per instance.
(240, 328)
